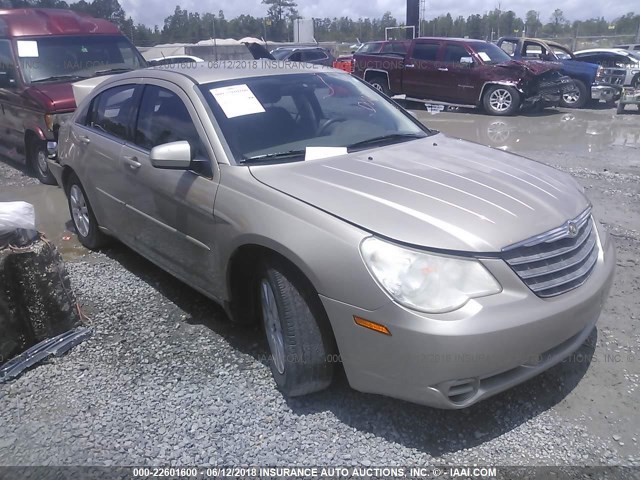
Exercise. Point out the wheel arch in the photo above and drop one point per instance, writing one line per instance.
(505, 83)
(370, 73)
(242, 269)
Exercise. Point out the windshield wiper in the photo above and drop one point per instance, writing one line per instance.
(385, 139)
(112, 70)
(54, 78)
(273, 156)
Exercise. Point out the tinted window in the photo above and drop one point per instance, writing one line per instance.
(6, 60)
(164, 118)
(453, 53)
(314, 55)
(295, 57)
(280, 54)
(369, 48)
(399, 48)
(111, 111)
(426, 51)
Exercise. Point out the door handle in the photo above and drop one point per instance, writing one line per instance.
(132, 162)
(443, 69)
(83, 139)
(410, 65)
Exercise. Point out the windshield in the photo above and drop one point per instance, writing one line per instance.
(283, 115)
(490, 53)
(280, 54)
(70, 57)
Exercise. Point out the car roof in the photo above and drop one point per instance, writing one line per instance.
(207, 72)
(619, 51)
(300, 48)
(452, 39)
(27, 22)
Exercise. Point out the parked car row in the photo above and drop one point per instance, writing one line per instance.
(464, 72)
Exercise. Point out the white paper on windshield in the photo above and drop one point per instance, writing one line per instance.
(484, 56)
(27, 48)
(237, 100)
(315, 153)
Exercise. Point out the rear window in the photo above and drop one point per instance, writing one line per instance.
(426, 51)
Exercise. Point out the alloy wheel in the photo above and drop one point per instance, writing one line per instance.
(500, 99)
(79, 210)
(272, 326)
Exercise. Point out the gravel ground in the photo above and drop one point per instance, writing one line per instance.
(165, 379)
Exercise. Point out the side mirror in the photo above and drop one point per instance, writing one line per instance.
(174, 155)
(7, 80)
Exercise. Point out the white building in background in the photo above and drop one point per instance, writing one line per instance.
(303, 31)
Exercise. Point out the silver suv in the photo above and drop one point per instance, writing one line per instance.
(434, 270)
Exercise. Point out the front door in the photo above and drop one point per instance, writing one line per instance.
(170, 212)
(455, 74)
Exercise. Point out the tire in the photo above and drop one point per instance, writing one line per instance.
(620, 108)
(295, 324)
(576, 100)
(84, 221)
(37, 161)
(380, 83)
(501, 100)
(635, 82)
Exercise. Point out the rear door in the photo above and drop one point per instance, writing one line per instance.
(170, 212)
(98, 141)
(420, 74)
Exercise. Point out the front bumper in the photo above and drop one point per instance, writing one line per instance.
(608, 93)
(456, 359)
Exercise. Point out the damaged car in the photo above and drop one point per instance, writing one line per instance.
(431, 269)
(464, 73)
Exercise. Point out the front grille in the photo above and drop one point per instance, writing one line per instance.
(556, 261)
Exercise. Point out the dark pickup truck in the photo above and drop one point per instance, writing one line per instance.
(464, 72)
(592, 81)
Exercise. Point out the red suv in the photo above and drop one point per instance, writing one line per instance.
(42, 52)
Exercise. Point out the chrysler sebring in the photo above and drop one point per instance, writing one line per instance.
(431, 269)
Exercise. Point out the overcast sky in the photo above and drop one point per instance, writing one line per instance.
(153, 12)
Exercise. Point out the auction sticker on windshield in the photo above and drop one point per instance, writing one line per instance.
(27, 48)
(484, 56)
(237, 100)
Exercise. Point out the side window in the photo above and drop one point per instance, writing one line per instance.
(164, 118)
(399, 48)
(295, 57)
(312, 55)
(7, 67)
(532, 50)
(426, 51)
(387, 48)
(111, 111)
(508, 47)
(453, 53)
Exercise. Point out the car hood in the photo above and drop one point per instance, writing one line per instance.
(535, 67)
(58, 95)
(436, 192)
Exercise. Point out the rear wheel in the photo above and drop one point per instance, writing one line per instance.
(577, 98)
(37, 161)
(380, 83)
(82, 215)
(501, 100)
(295, 325)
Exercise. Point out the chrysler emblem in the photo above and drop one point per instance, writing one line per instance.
(572, 230)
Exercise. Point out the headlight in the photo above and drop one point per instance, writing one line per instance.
(426, 281)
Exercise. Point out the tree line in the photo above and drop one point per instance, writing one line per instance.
(190, 27)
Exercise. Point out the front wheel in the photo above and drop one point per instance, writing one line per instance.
(302, 351)
(82, 215)
(37, 161)
(576, 99)
(501, 100)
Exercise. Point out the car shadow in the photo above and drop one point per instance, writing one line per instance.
(433, 431)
